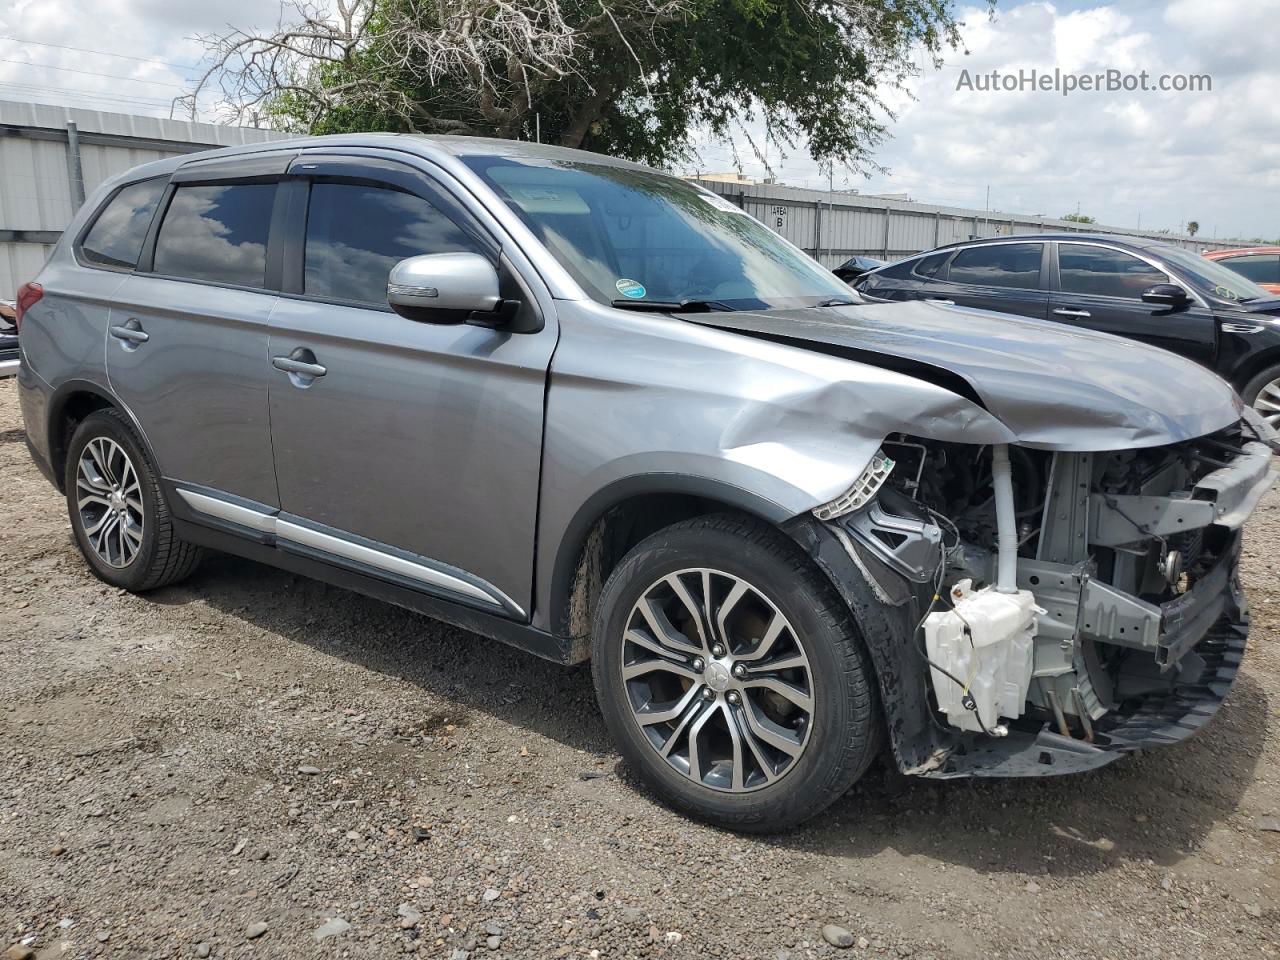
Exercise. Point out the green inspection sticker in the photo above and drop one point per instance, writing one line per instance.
(631, 288)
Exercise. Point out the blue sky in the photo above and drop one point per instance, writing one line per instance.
(1155, 159)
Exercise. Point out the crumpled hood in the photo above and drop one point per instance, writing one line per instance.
(1053, 386)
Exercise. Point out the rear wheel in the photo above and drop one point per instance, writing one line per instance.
(118, 511)
(1263, 394)
(731, 675)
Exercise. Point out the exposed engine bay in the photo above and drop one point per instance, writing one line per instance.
(1061, 594)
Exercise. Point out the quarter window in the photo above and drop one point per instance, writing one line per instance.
(1258, 267)
(116, 237)
(356, 234)
(999, 265)
(1103, 272)
(930, 265)
(217, 232)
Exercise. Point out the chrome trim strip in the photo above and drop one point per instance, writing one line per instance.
(231, 512)
(380, 560)
(9, 368)
(340, 546)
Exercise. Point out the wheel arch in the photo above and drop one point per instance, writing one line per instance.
(1253, 366)
(616, 518)
(69, 405)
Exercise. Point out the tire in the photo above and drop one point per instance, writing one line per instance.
(827, 748)
(1268, 405)
(140, 552)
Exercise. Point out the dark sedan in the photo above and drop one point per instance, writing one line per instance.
(1129, 286)
(855, 267)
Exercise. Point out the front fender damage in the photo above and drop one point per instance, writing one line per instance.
(886, 607)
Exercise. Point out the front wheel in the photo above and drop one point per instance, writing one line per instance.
(1263, 394)
(732, 676)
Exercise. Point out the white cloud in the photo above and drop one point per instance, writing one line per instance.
(1166, 158)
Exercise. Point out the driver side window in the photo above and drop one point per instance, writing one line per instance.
(356, 233)
(1104, 272)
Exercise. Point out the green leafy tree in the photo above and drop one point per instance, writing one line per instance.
(633, 78)
(1192, 228)
(1078, 218)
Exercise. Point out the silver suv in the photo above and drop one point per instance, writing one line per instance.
(599, 413)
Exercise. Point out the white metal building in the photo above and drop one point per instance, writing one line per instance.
(52, 156)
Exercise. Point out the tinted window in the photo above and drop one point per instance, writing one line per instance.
(217, 232)
(1105, 273)
(1258, 267)
(930, 265)
(999, 265)
(356, 234)
(115, 239)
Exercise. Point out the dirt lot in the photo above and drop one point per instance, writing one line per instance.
(252, 748)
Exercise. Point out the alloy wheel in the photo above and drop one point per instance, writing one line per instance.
(1268, 403)
(717, 680)
(109, 501)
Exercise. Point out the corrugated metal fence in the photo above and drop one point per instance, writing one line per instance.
(51, 157)
(832, 227)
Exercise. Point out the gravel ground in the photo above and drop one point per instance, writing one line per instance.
(254, 764)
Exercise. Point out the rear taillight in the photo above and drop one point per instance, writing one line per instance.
(29, 295)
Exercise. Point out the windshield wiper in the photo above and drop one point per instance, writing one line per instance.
(673, 306)
(839, 302)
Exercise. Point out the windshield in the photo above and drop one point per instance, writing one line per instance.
(1213, 278)
(630, 235)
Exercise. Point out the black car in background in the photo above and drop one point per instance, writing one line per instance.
(854, 267)
(1130, 286)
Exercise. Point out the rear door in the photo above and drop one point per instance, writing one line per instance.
(187, 339)
(1100, 287)
(416, 454)
(996, 276)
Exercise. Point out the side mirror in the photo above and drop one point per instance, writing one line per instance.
(1165, 295)
(444, 288)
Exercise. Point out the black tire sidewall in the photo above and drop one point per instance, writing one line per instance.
(1249, 394)
(105, 424)
(814, 781)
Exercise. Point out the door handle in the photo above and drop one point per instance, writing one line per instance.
(300, 363)
(948, 303)
(130, 331)
(1064, 312)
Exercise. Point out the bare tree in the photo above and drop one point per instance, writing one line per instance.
(486, 61)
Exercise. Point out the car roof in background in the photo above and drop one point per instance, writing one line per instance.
(1239, 251)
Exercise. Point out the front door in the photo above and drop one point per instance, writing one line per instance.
(408, 450)
(187, 339)
(1100, 288)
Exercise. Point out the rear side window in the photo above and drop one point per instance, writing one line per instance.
(999, 265)
(217, 232)
(930, 265)
(356, 234)
(1102, 272)
(1258, 267)
(116, 237)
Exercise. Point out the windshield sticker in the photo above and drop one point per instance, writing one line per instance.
(540, 198)
(631, 289)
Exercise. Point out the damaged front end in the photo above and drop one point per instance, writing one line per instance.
(1037, 612)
